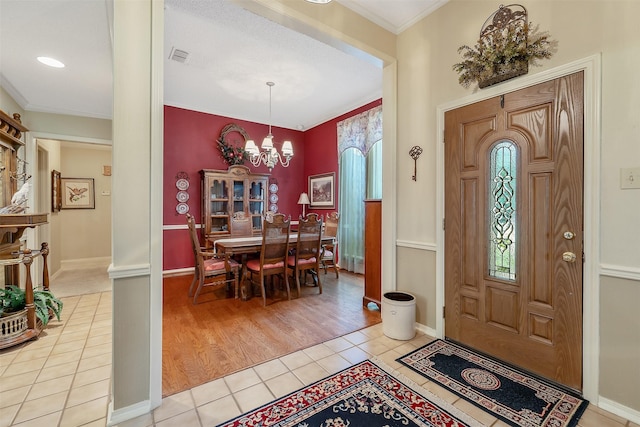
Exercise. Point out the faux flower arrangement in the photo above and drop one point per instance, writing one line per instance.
(501, 55)
(232, 155)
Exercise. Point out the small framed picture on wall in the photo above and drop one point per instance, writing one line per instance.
(322, 191)
(78, 193)
(56, 194)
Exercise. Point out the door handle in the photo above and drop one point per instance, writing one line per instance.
(569, 257)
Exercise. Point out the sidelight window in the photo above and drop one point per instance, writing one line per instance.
(502, 206)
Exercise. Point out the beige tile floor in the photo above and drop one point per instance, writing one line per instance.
(63, 378)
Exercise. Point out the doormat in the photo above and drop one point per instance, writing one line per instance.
(513, 396)
(366, 394)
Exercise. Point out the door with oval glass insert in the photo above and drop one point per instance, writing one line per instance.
(514, 219)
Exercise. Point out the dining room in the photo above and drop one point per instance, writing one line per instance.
(211, 178)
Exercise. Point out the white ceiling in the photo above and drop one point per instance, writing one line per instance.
(232, 54)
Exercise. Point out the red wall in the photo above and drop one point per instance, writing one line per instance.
(190, 146)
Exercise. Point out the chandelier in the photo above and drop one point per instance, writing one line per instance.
(269, 155)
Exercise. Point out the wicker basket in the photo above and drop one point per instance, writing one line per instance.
(13, 325)
(505, 72)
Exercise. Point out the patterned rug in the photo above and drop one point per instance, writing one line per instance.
(365, 394)
(510, 395)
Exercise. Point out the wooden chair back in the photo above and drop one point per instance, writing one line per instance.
(273, 254)
(328, 257)
(275, 240)
(309, 234)
(208, 265)
(240, 225)
(308, 249)
(331, 224)
(195, 241)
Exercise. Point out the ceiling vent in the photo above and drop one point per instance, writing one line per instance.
(179, 55)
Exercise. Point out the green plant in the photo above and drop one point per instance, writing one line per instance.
(232, 155)
(501, 49)
(12, 299)
(46, 303)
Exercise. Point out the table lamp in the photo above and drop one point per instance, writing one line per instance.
(303, 200)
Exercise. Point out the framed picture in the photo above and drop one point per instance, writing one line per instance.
(77, 193)
(56, 194)
(322, 191)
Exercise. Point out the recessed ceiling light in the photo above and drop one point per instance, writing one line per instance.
(319, 1)
(50, 62)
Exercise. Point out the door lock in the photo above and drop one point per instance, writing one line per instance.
(569, 257)
(568, 235)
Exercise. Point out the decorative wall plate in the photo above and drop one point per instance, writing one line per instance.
(182, 196)
(273, 208)
(273, 188)
(273, 198)
(182, 184)
(182, 208)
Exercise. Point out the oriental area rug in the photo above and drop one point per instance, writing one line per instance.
(366, 394)
(512, 396)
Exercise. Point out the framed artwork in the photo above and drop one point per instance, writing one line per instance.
(78, 193)
(56, 194)
(322, 191)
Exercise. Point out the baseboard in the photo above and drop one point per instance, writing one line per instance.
(177, 272)
(619, 410)
(426, 330)
(119, 416)
(85, 263)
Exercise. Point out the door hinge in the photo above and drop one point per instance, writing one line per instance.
(443, 224)
(443, 133)
(444, 310)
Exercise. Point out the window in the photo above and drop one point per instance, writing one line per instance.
(502, 206)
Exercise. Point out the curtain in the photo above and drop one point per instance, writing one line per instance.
(360, 172)
(351, 226)
(374, 171)
(361, 131)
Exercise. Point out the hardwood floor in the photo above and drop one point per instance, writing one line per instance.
(220, 335)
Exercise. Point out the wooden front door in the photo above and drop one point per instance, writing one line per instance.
(514, 228)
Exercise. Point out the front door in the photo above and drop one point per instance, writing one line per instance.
(513, 234)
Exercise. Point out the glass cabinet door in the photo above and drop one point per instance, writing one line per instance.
(257, 191)
(238, 196)
(219, 205)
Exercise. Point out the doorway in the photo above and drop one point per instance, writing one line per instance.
(513, 239)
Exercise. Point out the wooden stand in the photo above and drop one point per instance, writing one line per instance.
(372, 252)
(11, 229)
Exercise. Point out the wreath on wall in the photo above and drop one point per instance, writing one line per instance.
(232, 155)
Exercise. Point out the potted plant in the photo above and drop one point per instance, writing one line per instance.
(12, 300)
(503, 51)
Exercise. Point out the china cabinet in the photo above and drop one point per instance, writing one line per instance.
(225, 193)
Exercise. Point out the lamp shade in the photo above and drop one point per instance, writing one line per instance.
(287, 149)
(267, 143)
(251, 148)
(304, 199)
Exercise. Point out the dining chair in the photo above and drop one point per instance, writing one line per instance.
(208, 265)
(329, 250)
(273, 254)
(307, 253)
(240, 225)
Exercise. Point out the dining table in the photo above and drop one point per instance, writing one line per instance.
(248, 245)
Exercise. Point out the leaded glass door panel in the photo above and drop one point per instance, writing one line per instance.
(513, 188)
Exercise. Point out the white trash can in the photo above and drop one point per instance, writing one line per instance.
(398, 315)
